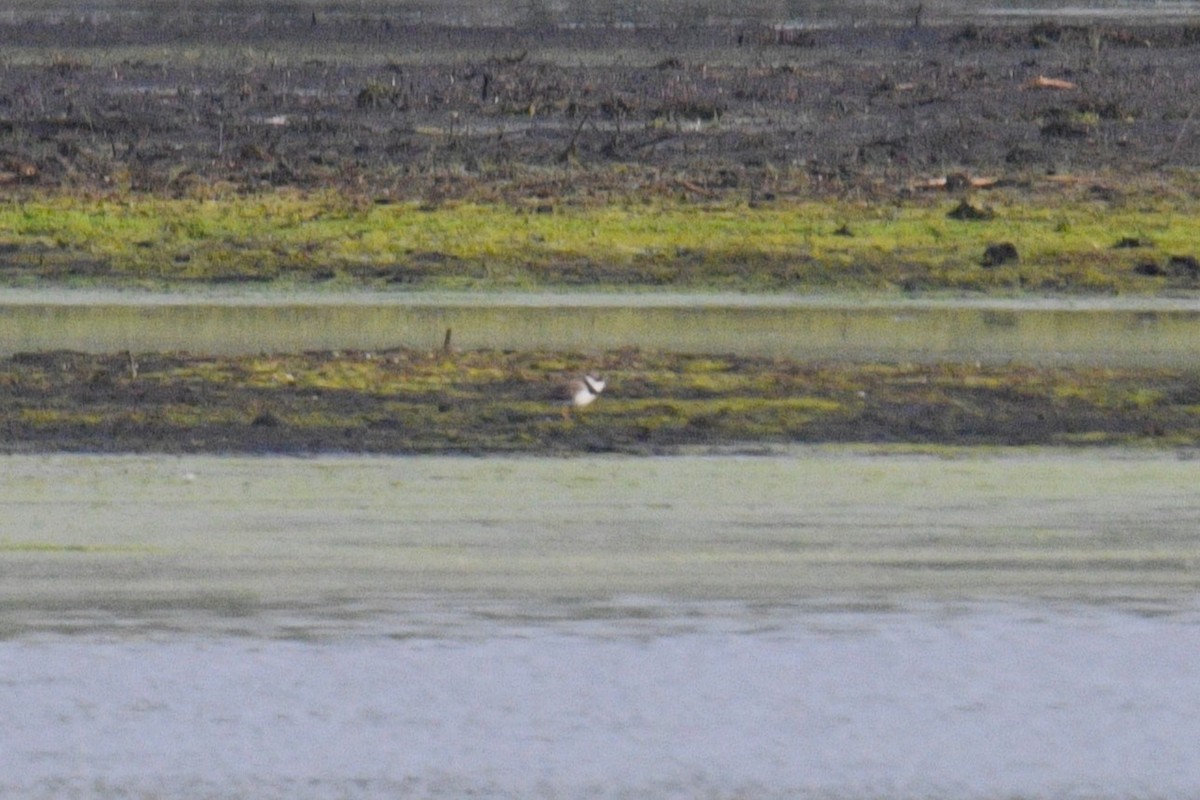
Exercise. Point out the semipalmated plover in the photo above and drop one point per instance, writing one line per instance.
(580, 392)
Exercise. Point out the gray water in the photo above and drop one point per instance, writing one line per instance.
(819, 623)
(975, 702)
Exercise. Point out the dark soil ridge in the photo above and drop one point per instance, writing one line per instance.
(390, 111)
(406, 401)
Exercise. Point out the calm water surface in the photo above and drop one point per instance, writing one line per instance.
(816, 623)
(1130, 332)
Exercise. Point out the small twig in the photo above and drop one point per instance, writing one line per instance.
(1179, 138)
(695, 188)
(569, 150)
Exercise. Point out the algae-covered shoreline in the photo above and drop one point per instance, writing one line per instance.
(477, 402)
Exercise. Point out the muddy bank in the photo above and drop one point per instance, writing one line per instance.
(408, 401)
(386, 108)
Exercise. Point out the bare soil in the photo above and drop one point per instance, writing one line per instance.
(388, 110)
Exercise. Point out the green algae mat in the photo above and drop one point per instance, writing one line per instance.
(1007, 240)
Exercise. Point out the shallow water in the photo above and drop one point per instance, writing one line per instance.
(819, 623)
(232, 537)
(1089, 331)
(969, 702)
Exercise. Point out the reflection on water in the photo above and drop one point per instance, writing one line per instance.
(1100, 331)
(821, 623)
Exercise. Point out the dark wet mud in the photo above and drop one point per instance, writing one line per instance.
(405, 401)
(250, 97)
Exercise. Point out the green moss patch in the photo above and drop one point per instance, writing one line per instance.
(1063, 241)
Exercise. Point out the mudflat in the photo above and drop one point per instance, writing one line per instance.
(372, 148)
(487, 401)
(371, 102)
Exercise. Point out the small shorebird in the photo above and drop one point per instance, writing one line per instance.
(580, 392)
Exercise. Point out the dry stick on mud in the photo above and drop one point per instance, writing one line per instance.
(570, 150)
(1179, 137)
